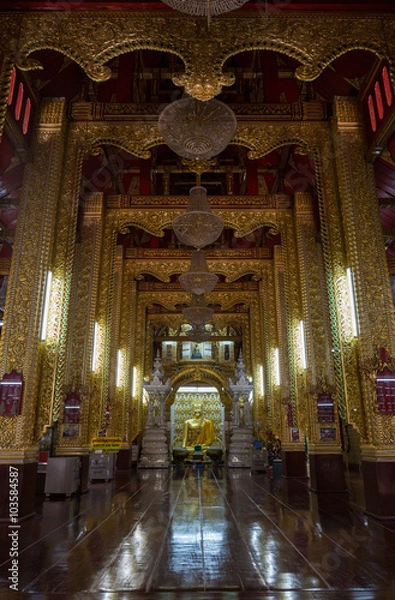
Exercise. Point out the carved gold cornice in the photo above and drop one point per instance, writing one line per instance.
(183, 253)
(112, 111)
(155, 222)
(117, 201)
(171, 300)
(163, 269)
(91, 40)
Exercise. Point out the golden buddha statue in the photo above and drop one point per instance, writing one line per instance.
(198, 430)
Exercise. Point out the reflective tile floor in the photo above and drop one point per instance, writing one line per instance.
(191, 534)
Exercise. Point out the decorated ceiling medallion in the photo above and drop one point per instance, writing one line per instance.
(198, 313)
(205, 8)
(198, 226)
(195, 129)
(198, 280)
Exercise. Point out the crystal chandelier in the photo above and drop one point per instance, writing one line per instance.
(198, 280)
(205, 8)
(195, 129)
(198, 333)
(198, 226)
(198, 313)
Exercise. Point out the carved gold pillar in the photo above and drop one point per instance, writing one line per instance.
(291, 392)
(366, 256)
(267, 309)
(293, 389)
(253, 357)
(55, 355)
(317, 334)
(279, 339)
(103, 318)
(137, 361)
(83, 298)
(115, 353)
(5, 80)
(20, 342)
(123, 394)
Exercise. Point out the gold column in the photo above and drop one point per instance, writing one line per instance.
(253, 356)
(366, 256)
(291, 306)
(115, 358)
(20, 342)
(104, 315)
(122, 416)
(137, 360)
(83, 298)
(55, 356)
(267, 309)
(279, 339)
(5, 80)
(320, 371)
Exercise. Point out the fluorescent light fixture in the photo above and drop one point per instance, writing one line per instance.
(119, 368)
(94, 349)
(134, 388)
(44, 321)
(277, 366)
(303, 345)
(351, 289)
(262, 380)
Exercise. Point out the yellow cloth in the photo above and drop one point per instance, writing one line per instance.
(199, 432)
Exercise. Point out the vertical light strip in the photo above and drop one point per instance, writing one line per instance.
(277, 366)
(134, 388)
(262, 380)
(47, 296)
(303, 345)
(119, 368)
(94, 349)
(351, 289)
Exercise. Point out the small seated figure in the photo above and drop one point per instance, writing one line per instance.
(198, 430)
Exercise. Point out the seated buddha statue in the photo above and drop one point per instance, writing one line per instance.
(198, 431)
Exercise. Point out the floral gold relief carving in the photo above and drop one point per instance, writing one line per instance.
(93, 40)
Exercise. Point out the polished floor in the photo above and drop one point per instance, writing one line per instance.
(212, 534)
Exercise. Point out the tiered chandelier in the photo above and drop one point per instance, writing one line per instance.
(198, 227)
(205, 8)
(198, 280)
(198, 131)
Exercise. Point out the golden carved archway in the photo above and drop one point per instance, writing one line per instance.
(206, 375)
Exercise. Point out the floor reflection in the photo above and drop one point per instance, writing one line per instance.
(189, 530)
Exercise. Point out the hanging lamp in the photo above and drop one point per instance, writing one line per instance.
(198, 280)
(198, 226)
(198, 313)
